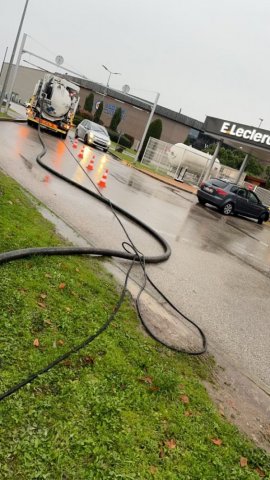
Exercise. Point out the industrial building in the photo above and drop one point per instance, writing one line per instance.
(176, 127)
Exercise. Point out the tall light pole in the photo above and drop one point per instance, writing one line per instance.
(245, 161)
(110, 73)
(13, 55)
(147, 126)
(3, 62)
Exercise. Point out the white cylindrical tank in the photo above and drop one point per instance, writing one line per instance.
(60, 101)
(184, 156)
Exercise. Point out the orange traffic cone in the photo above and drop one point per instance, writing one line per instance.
(80, 155)
(75, 144)
(91, 165)
(103, 181)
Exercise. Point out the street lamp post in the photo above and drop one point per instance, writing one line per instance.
(13, 55)
(108, 81)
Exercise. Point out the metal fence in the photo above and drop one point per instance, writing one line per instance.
(183, 163)
(156, 156)
(263, 194)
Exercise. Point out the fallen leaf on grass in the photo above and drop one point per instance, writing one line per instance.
(170, 443)
(61, 285)
(43, 296)
(22, 290)
(153, 469)
(260, 472)
(184, 399)
(87, 360)
(153, 388)
(148, 380)
(60, 342)
(77, 270)
(36, 342)
(41, 304)
(48, 322)
(47, 275)
(68, 309)
(161, 453)
(216, 441)
(188, 413)
(243, 462)
(67, 363)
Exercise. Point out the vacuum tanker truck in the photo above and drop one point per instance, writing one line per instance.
(53, 104)
(183, 158)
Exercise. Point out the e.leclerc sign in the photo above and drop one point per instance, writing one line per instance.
(236, 131)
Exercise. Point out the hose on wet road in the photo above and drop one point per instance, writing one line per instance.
(129, 252)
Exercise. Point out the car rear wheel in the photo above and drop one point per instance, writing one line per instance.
(262, 218)
(227, 209)
(86, 140)
(201, 201)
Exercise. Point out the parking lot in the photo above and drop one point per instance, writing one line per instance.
(218, 273)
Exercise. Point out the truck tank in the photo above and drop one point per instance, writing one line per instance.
(57, 102)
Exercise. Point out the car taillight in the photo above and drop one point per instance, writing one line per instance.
(202, 185)
(221, 192)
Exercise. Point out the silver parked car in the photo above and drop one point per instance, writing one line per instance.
(93, 134)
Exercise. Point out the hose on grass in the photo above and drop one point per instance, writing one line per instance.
(129, 252)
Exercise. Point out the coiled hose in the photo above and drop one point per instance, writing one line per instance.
(129, 252)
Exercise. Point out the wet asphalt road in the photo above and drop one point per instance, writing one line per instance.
(219, 269)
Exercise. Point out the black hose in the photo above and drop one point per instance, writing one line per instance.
(130, 252)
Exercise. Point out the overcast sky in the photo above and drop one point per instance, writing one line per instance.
(208, 57)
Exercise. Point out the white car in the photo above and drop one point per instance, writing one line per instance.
(93, 134)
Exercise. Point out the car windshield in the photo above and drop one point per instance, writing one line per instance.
(219, 183)
(98, 128)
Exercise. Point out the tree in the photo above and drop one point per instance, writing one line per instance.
(254, 167)
(154, 130)
(267, 176)
(234, 158)
(98, 112)
(116, 119)
(88, 105)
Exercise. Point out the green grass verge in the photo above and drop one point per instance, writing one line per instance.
(125, 407)
(124, 155)
(4, 115)
(139, 165)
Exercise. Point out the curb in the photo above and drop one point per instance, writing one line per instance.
(14, 120)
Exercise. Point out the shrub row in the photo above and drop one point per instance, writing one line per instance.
(123, 140)
(81, 115)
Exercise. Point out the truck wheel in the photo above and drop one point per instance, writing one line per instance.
(227, 209)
